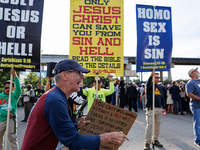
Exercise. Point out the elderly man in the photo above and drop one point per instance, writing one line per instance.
(49, 121)
(12, 132)
(193, 91)
(159, 104)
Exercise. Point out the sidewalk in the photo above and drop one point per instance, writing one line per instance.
(21, 127)
(176, 132)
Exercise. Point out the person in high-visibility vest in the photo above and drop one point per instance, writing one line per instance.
(102, 93)
(39, 91)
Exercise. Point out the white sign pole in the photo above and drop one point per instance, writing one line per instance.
(154, 94)
(8, 113)
(97, 86)
(153, 107)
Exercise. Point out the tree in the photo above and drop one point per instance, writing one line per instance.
(44, 81)
(4, 76)
(90, 80)
(32, 79)
(137, 80)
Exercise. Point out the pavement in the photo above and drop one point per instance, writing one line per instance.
(176, 132)
(21, 127)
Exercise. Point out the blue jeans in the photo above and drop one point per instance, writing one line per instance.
(179, 104)
(196, 125)
(113, 98)
(139, 103)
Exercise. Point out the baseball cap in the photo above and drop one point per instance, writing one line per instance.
(191, 71)
(68, 64)
(29, 85)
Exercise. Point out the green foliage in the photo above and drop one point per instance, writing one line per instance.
(137, 80)
(44, 81)
(90, 80)
(4, 76)
(104, 79)
(1, 90)
(32, 79)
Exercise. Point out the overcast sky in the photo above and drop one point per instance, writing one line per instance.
(185, 29)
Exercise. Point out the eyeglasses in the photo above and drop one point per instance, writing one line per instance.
(157, 77)
(6, 87)
(69, 71)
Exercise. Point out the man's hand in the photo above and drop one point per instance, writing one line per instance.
(152, 73)
(65, 148)
(11, 115)
(164, 112)
(49, 79)
(82, 122)
(12, 71)
(110, 78)
(115, 137)
(47, 87)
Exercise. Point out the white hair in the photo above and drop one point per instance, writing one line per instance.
(57, 78)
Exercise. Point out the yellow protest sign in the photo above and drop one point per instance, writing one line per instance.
(96, 35)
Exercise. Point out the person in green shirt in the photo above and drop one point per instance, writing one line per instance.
(4, 97)
(102, 93)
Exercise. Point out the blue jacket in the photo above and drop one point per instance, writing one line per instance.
(175, 91)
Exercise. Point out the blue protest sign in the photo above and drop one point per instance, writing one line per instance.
(154, 38)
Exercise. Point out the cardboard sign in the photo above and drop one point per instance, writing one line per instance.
(105, 117)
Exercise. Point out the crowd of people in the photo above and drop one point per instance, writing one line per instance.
(59, 104)
(124, 95)
(132, 96)
(29, 96)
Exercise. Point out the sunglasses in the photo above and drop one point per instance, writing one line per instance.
(80, 73)
(157, 77)
(6, 87)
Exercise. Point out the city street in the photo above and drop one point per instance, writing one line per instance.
(176, 132)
